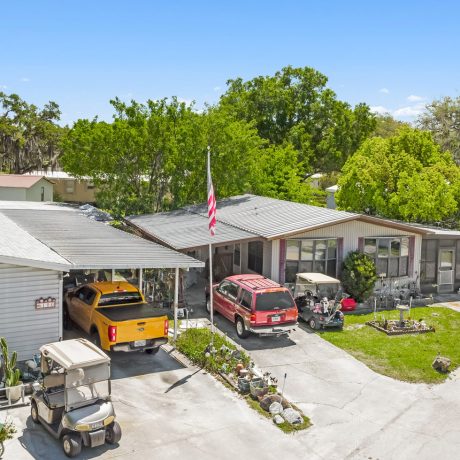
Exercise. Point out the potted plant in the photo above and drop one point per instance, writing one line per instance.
(7, 431)
(12, 375)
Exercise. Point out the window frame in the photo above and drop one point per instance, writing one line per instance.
(383, 255)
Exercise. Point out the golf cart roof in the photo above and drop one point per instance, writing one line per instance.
(71, 354)
(317, 278)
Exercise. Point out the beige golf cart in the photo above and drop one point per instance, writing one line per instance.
(73, 401)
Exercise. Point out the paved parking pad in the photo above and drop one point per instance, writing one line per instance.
(168, 411)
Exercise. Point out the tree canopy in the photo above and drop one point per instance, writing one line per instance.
(405, 177)
(442, 119)
(295, 107)
(29, 137)
(152, 157)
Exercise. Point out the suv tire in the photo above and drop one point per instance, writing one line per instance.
(71, 443)
(241, 330)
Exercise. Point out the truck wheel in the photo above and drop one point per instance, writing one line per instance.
(208, 306)
(241, 330)
(71, 443)
(67, 322)
(34, 412)
(313, 324)
(152, 351)
(96, 339)
(113, 433)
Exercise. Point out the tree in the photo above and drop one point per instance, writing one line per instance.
(295, 106)
(442, 119)
(405, 177)
(29, 137)
(358, 275)
(387, 126)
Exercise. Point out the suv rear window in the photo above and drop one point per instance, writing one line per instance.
(117, 298)
(281, 300)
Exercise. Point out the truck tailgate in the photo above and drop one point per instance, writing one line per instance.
(136, 322)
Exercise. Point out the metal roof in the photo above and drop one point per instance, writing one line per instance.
(88, 244)
(19, 181)
(182, 229)
(19, 247)
(272, 218)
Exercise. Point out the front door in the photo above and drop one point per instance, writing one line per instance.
(446, 270)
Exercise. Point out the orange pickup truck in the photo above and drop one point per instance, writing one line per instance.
(116, 317)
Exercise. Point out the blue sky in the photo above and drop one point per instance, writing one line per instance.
(392, 55)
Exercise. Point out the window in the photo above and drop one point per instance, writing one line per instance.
(307, 256)
(69, 186)
(280, 300)
(256, 256)
(246, 299)
(228, 289)
(89, 186)
(42, 194)
(390, 255)
(237, 255)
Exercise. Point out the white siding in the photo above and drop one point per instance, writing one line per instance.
(12, 194)
(267, 262)
(351, 231)
(25, 328)
(34, 193)
(275, 273)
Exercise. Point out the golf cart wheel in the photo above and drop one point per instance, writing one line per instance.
(313, 324)
(241, 330)
(34, 412)
(113, 433)
(71, 443)
(152, 351)
(2, 449)
(208, 305)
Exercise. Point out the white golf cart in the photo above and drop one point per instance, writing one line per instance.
(73, 402)
(317, 297)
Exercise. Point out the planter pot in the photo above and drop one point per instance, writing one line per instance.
(258, 388)
(243, 384)
(14, 393)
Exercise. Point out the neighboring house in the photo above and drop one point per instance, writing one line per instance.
(15, 187)
(330, 198)
(68, 188)
(279, 239)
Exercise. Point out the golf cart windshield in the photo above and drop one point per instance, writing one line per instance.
(84, 385)
(316, 284)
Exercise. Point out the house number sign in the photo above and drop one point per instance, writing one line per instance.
(45, 303)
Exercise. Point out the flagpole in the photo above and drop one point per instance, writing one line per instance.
(211, 294)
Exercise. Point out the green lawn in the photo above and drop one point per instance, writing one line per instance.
(404, 357)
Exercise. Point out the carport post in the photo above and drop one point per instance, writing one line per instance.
(140, 280)
(176, 301)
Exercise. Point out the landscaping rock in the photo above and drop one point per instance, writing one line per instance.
(275, 408)
(441, 364)
(292, 416)
(278, 419)
(268, 400)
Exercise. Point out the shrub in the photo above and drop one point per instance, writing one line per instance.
(194, 344)
(358, 275)
(7, 431)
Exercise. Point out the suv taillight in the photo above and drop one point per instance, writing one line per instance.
(112, 333)
(166, 327)
(252, 318)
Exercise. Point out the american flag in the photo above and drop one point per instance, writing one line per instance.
(211, 200)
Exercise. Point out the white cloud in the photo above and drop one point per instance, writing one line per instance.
(384, 90)
(410, 111)
(414, 98)
(379, 109)
(25, 79)
(216, 89)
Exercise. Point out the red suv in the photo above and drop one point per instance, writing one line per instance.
(255, 304)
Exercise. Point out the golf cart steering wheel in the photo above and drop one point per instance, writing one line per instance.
(308, 293)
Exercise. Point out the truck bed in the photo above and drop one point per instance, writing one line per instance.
(132, 312)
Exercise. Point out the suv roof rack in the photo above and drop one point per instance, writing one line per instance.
(258, 283)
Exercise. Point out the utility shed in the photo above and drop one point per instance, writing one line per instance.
(41, 241)
(25, 188)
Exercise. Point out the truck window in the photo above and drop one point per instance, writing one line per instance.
(246, 299)
(119, 298)
(281, 300)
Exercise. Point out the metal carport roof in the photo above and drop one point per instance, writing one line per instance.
(88, 244)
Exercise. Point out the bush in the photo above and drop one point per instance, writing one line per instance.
(194, 344)
(7, 431)
(358, 275)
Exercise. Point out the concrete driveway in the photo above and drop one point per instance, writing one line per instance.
(357, 413)
(167, 411)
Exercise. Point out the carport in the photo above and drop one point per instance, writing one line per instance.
(78, 243)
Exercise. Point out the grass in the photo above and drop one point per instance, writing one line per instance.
(404, 357)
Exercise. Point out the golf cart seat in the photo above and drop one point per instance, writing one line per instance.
(54, 389)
